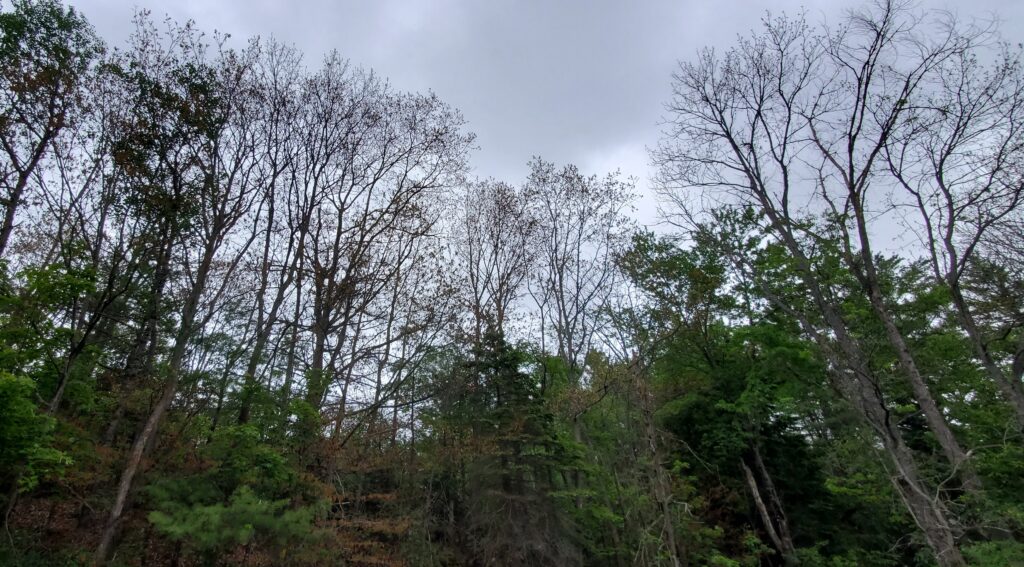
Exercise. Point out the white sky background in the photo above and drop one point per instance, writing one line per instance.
(573, 81)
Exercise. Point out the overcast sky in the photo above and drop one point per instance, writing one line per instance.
(573, 81)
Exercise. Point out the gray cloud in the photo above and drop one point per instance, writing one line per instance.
(578, 81)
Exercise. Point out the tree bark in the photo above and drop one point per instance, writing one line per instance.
(762, 510)
(869, 278)
(661, 484)
(777, 511)
(1010, 385)
(855, 381)
(149, 430)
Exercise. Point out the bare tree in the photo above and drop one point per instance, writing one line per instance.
(958, 153)
(494, 239)
(580, 223)
(189, 150)
(874, 65)
(275, 260)
(794, 122)
(374, 162)
(994, 287)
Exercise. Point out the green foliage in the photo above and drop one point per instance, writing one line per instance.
(248, 493)
(518, 463)
(45, 48)
(995, 554)
(709, 425)
(245, 518)
(26, 451)
(813, 557)
(30, 338)
(737, 378)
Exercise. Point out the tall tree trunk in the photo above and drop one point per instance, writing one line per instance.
(661, 484)
(264, 327)
(775, 502)
(858, 385)
(762, 511)
(951, 449)
(772, 514)
(1010, 386)
(149, 430)
(293, 344)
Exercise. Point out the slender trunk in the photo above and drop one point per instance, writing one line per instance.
(1010, 386)
(316, 381)
(771, 512)
(762, 510)
(132, 467)
(860, 388)
(951, 449)
(927, 510)
(775, 503)
(857, 384)
(12, 206)
(263, 332)
(97, 325)
(152, 424)
(249, 381)
(661, 483)
(929, 513)
(342, 403)
(412, 420)
(577, 476)
(18, 191)
(289, 370)
(293, 343)
(866, 273)
(65, 375)
(222, 389)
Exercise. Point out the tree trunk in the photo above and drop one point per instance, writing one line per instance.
(149, 430)
(762, 510)
(857, 384)
(929, 513)
(659, 477)
(1010, 386)
(772, 514)
(24, 174)
(951, 449)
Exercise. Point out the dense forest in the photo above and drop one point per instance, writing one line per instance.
(255, 310)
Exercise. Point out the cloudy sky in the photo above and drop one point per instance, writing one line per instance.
(574, 81)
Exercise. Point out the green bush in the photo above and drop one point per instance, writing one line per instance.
(25, 435)
(249, 494)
